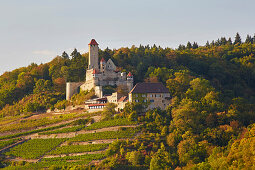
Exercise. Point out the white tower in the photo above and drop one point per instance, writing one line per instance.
(93, 54)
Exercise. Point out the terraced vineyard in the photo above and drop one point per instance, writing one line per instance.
(78, 149)
(97, 125)
(126, 133)
(66, 151)
(7, 143)
(89, 157)
(34, 149)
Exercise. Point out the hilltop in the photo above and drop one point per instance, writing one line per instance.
(208, 125)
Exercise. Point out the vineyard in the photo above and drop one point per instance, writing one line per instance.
(65, 151)
(33, 149)
(78, 149)
(125, 133)
(7, 143)
(81, 157)
(33, 123)
(64, 130)
(97, 125)
(33, 131)
(109, 123)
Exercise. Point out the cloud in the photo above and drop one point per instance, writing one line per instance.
(44, 52)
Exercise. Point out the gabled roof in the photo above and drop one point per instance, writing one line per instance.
(95, 71)
(123, 99)
(102, 60)
(93, 42)
(149, 88)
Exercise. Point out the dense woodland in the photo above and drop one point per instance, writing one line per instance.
(210, 123)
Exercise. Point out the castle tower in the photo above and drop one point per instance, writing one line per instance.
(130, 81)
(93, 54)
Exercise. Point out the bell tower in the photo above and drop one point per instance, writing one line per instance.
(93, 54)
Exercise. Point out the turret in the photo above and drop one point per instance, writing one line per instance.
(129, 81)
(93, 54)
(102, 65)
(130, 76)
(95, 73)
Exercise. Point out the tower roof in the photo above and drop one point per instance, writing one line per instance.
(129, 74)
(93, 42)
(95, 71)
(102, 60)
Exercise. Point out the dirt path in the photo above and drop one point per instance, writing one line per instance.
(21, 159)
(73, 134)
(102, 141)
(74, 154)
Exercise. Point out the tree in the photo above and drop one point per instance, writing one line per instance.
(199, 88)
(229, 42)
(223, 41)
(248, 39)
(108, 111)
(65, 55)
(207, 44)
(237, 39)
(155, 163)
(75, 53)
(135, 158)
(189, 46)
(195, 45)
(181, 47)
(179, 83)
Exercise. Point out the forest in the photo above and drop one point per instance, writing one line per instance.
(210, 123)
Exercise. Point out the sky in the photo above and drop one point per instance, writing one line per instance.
(35, 31)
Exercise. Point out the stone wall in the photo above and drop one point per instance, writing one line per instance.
(72, 88)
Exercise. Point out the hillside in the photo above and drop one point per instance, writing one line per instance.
(208, 125)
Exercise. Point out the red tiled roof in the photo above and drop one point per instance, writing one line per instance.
(95, 71)
(102, 60)
(93, 42)
(100, 104)
(129, 74)
(122, 99)
(149, 88)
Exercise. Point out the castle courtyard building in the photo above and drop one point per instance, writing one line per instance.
(151, 94)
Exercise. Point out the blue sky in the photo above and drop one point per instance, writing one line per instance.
(37, 31)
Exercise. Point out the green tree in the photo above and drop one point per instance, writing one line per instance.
(189, 46)
(109, 111)
(237, 39)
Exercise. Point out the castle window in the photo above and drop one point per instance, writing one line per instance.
(151, 101)
(144, 101)
(144, 95)
(136, 101)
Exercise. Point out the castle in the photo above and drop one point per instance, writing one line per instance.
(99, 74)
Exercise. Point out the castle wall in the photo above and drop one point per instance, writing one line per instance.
(72, 88)
(88, 85)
